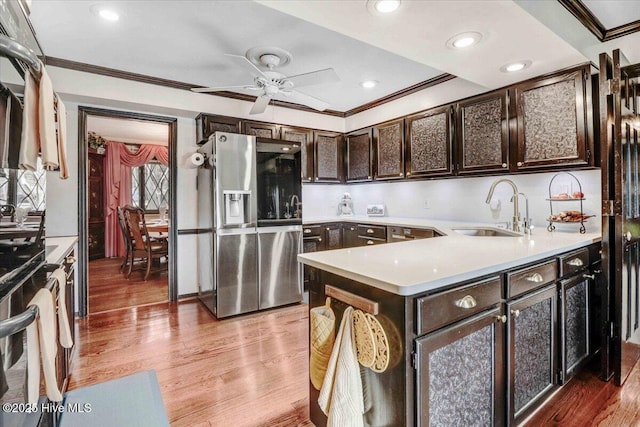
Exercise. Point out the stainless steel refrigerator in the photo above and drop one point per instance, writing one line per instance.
(241, 268)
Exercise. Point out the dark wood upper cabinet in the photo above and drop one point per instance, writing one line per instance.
(552, 127)
(359, 159)
(428, 142)
(206, 124)
(261, 130)
(482, 133)
(303, 136)
(388, 149)
(328, 156)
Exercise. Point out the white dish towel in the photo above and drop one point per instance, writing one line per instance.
(41, 343)
(341, 393)
(63, 320)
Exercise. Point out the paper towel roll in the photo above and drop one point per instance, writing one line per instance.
(197, 159)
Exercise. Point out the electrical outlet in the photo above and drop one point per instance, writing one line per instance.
(427, 204)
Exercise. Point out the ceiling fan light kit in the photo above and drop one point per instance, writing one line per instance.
(272, 83)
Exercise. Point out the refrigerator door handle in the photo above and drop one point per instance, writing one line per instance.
(235, 231)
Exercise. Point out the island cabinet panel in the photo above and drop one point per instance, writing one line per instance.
(304, 137)
(261, 130)
(388, 148)
(328, 156)
(459, 378)
(482, 136)
(207, 124)
(359, 159)
(552, 125)
(428, 143)
(574, 324)
(532, 351)
(333, 234)
(350, 237)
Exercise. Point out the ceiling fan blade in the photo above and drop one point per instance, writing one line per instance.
(243, 62)
(308, 100)
(260, 105)
(221, 88)
(328, 75)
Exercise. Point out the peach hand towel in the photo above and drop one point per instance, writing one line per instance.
(47, 122)
(30, 141)
(63, 320)
(42, 340)
(341, 397)
(62, 139)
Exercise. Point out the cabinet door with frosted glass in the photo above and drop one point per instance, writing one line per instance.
(328, 156)
(388, 147)
(428, 142)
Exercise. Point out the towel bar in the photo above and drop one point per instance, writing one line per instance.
(17, 323)
(353, 300)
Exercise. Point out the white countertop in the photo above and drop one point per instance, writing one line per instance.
(63, 246)
(409, 268)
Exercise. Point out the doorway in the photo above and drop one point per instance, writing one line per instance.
(125, 159)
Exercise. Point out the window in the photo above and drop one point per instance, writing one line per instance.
(22, 187)
(150, 186)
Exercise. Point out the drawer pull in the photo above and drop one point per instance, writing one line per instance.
(370, 231)
(502, 318)
(466, 302)
(576, 262)
(70, 259)
(370, 242)
(535, 278)
(307, 231)
(319, 239)
(516, 313)
(589, 276)
(352, 229)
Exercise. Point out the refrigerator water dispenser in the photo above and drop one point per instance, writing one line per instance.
(236, 207)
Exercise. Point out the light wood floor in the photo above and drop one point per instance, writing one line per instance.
(110, 290)
(246, 371)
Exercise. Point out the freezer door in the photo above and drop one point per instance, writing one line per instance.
(206, 291)
(280, 272)
(236, 261)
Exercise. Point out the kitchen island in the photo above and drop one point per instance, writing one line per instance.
(479, 330)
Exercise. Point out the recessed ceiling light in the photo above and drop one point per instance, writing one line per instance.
(368, 84)
(463, 40)
(378, 7)
(105, 13)
(515, 66)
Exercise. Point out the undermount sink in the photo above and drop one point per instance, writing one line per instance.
(486, 232)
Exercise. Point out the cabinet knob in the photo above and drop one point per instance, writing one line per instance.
(520, 163)
(400, 174)
(516, 313)
(316, 178)
(502, 318)
(370, 242)
(352, 229)
(466, 302)
(408, 173)
(504, 165)
(535, 278)
(319, 239)
(70, 259)
(369, 177)
(589, 276)
(576, 262)
(328, 228)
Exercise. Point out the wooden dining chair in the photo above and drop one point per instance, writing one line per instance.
(126, 238)
(143, 248)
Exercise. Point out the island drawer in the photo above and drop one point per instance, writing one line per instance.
(527, 279)
(435, 311)
(574, 261)
(312, 230)
(377, 231)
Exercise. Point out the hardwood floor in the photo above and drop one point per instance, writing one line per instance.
(110, 290)
(588, 401)
(245, 371)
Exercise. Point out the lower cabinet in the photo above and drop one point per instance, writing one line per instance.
(459, 379)
(531, 348)
(574, 324)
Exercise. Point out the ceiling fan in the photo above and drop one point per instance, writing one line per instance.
(270, 82)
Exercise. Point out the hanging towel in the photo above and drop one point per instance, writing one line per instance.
(63, 320)
(41, 344)
(47, 122)
(62, 139)
(30, 141)
(323, 332)
(341, 394)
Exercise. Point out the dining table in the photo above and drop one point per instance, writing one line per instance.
(12, 231)
(160, 227)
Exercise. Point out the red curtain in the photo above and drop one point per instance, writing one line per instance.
(118, 186)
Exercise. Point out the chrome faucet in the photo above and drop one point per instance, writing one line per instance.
(295, 205)
(514, 199)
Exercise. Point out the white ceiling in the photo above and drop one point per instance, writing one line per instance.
(614, 13)
(128, 130)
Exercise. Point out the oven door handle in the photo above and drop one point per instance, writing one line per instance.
(18, 323)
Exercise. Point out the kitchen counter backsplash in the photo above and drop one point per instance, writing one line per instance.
(463, 199)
